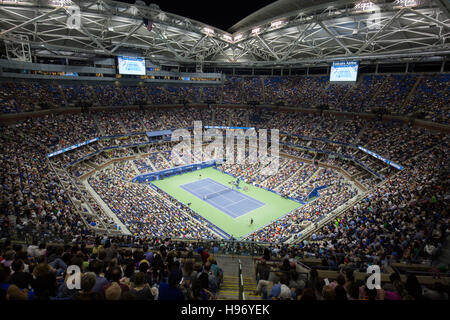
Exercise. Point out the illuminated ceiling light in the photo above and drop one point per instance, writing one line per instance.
(227, 37)
(162, 16)
(238, 37)
(60, 3)
(256, 30)
(133, 10)
(208, 31)
(364, 5)
(407, 3)
(277, 24)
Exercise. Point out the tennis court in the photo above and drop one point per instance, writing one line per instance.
(227, 200)
(231, 216)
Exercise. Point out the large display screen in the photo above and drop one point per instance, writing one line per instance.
(344, 71)
(131, 65)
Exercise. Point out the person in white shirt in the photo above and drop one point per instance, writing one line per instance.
(31, 250)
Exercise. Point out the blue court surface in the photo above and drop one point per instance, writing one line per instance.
(231, 202)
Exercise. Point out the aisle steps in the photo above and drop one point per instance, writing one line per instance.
(230, 288)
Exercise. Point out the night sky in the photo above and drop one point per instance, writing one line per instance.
(219, 14)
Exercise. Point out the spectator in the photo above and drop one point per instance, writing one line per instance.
(116, 275)
(44, 283)
(88, 281)
(171, 290)
(100, 280)
(140, 288)
(20, 278)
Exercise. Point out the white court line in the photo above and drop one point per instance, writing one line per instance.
(248, 198)
(244, 198)
(209, 181)
(226, 210)
(232, 204)
(243, 214)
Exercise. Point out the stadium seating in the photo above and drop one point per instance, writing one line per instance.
(388, 215)
(398, 93)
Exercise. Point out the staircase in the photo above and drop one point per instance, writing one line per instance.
(105, 208)
(94, 94)
(248, 275)
(229, 289)
(145, 92)
(230, 286)
(147, 160)
(63, 95)
(290, 178)
(306, 181)
(379, 88)
(221, 92)
(360, 133)
(136, 170)
(166, 162)
(412, 92)
(99, 127)
(263, 90)
(349, 93)
(121, 124)
(122, 95)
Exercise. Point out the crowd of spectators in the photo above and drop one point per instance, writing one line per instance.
(397, 93)
(281, 89)
(404, 219)
(362, 93)
(134, 94)
(232, 90)
(143, 210)
(109, 95)
(431, 96)
(74, 93)
(286, 280)
(338, 192)
(393, 93)
(34, 199)
(156, 270)
(394, 221)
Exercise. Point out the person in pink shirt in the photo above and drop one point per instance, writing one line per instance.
(398, 292)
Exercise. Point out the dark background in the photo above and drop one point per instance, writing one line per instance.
(221, 14)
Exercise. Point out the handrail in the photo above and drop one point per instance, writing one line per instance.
(240, 282)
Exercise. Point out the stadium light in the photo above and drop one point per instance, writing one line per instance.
(256, 30)
(60, 3)
(277, 24)
(364, 5)
(208, 31)
(162, 16)
(133, 10)
(227, 38)
(407, 3)
(238, 37)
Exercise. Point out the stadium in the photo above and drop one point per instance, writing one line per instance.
(299, 155)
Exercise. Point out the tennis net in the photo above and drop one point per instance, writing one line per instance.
(217, 193)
